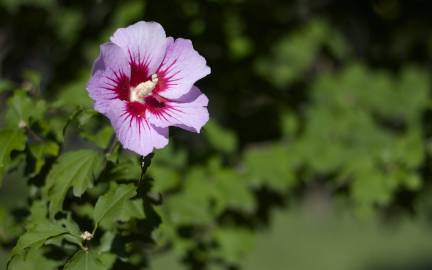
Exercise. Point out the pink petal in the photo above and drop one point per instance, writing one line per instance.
(143, 41)
(111, 57)
(188, 112)
(134, 132)
(180, 69)
(111, 62)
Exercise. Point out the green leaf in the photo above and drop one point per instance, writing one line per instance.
(101, 138)
(74, 233)
(192, 205)
(74, 169)
(369, 138)
(5, 85)
(38, 213)
(271, 165)
(9, 140)
(232, 191)
(32, 77)
(126, 169)
(293, 54)
(129, 210)
(92, 128)
(106, 241)
(34, 259)
(85, 116)
(85, 260)
(167, 260)
(239, 44)
(72, 95)
(234, 243)
(170, 157)
(36, 236)
(9, 229)
(21, 109)
(132, 209)
(289, 124)
(40, 151)
(112, 204)
(221, 139)
(166, 178)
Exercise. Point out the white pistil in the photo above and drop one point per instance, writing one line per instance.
(139, 92)
(86, 236)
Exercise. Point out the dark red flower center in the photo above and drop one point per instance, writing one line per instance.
(140, 89)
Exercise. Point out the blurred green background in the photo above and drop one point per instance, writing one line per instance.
(318, 151)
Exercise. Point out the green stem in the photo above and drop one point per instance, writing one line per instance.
(95, 228)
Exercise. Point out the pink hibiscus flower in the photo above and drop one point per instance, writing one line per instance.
(144, 81)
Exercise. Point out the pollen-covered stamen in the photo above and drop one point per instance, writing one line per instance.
(139, 92)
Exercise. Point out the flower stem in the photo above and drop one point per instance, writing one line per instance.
(152, 220)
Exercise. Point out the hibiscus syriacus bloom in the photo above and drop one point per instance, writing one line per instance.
(144, 81)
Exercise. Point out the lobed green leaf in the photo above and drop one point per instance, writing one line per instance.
(112, 205)
(73, 170)
(85, 260)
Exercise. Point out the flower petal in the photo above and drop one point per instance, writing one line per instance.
(111, 57)
(109, 77)
(188, 112)
(180, 69)
(135, 133)
(143, 42)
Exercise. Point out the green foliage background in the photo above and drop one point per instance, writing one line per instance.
(317, 154)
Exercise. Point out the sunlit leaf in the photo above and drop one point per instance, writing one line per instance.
(22, 109)
(10, 140)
